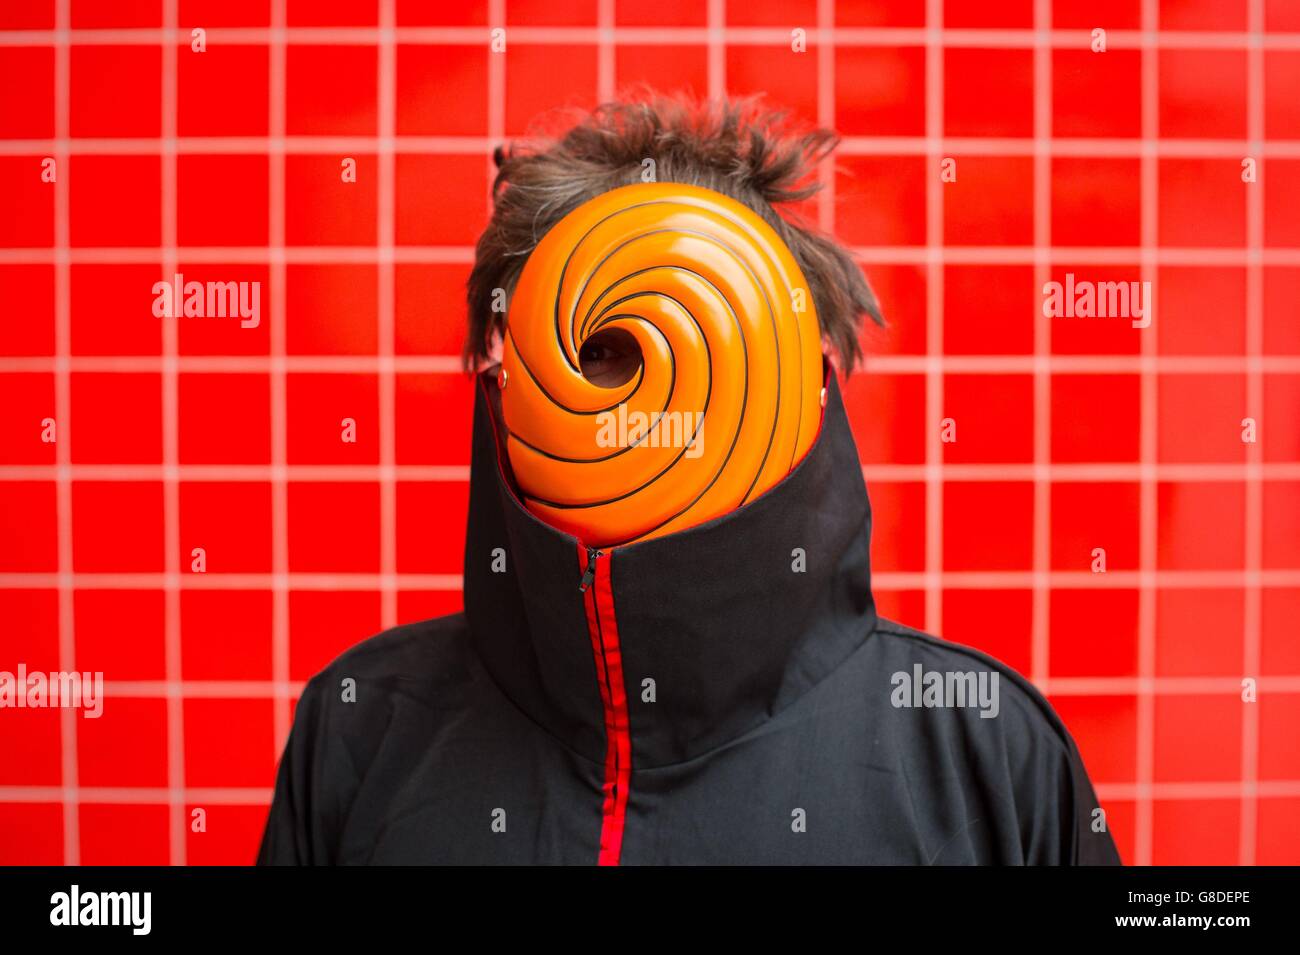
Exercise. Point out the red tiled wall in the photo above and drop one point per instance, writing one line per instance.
(1072, 434)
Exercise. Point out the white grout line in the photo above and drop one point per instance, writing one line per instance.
(606, 78)
(1254, 518)
(259, 796)
(934, 308)
(281, 712)
(715, 35)
(464, 255)
(1148, 495)
(1041, 618)
(887, 580)
(891, 364)
(826, 111)
(387, 424)
(982, 38)
(1090, 147)
(172, 652)
(63, 434)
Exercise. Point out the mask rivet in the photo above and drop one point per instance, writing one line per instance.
(502, 377)
(823, 397)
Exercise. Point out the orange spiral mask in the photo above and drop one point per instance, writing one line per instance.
(727, 399)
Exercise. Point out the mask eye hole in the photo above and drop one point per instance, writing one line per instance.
(610, 358)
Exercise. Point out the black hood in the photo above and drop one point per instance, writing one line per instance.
(720, 616)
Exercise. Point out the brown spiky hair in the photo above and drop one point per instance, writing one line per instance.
(737, 147)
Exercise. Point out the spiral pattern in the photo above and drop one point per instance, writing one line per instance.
(726, 401)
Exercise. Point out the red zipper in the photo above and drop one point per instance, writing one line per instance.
(598, 598)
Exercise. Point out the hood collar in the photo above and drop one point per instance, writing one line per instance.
(720, 616)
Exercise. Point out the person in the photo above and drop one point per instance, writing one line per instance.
(667, 658)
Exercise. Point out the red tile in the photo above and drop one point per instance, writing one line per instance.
(991, 202)
(1201, 15)
(1201, 310)
(333, 528)
(1279, 714)
(216, 757)
(989, 309)
(224, 418)
(117, 527)
(1281, 199)
(231, 834)
(1096, 94)
(116, 91)
(988, 525)
(230, 524)
(1196, 191)
(112, 309)
(30, 748)
(1281, 292)
(104, 830)
(332, 309)
(1282, 415)
(770, 12)
(1095, 418)
(1282, 526)
(1105, 730)
(1200, 525)
(887, 415)
(1097, 336)
(29, 218)
(222, 91)
(898, 516)
(1278, 840)
(429, 78)
(416, 605)
(27, 515)
(993, 415)
(544, 13)
(1088, 516)
(333, 418)
(120, 633)
(1199, 631)
(332, 13)
(322, 209)
(669, 69)
(28, 428)
(1279, 650)
(1200, 418)
(988, 92)
(434, 418)
(1076, 616)
(880, 200)
(231, 335)
(31, 632)
(666, 13)
(880, 91)
(226, 634)
(92, 14)
(331, 90)
(126, 745)
(452, 216)
(1202, 94)
(1216, 823)
(975, 13)
(116, 418)
(222, 200)
(115, 200)
(324, 623)
(1214, 722)
(431, 526)
(42, 828)
(225, 13)
(900, 293)
(1095, 201)
(27, 92)
(880, 13)
(431, 312)
(30, 290)
(966, 616)
(537, 94)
